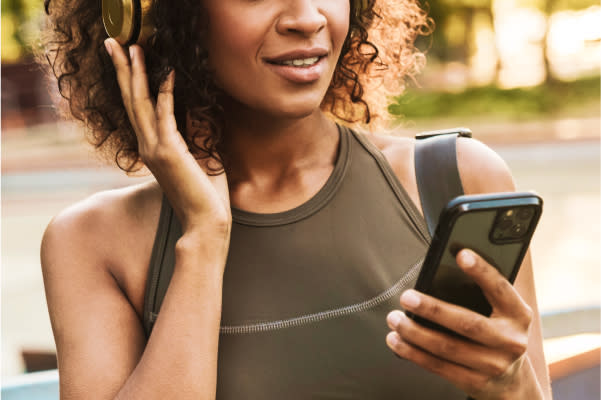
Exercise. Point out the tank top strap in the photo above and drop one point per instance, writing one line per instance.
(162, 261)
(395, 185)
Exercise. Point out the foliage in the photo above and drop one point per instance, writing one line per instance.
(490, 101)
(20, 29)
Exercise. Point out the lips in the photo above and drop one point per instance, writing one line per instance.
(300, 54)
(299, 66)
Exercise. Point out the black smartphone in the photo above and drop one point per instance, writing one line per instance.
(497, 226)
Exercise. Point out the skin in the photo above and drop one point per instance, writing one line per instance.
(284, 150)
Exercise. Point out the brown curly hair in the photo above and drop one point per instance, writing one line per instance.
(73, 54)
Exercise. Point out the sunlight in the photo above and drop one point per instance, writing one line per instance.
(575, 42)
(520, 32)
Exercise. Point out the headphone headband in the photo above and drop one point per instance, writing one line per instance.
(360, 6)
(129, 21)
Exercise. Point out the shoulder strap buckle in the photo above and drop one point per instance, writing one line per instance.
(460, 132)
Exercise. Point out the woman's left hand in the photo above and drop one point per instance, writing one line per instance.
(493, 364)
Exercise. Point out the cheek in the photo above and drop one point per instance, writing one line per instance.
(231, 62)
(338, 20)
(232, 41)
(227, 46)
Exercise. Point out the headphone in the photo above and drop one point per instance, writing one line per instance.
(360, 6)
(130, 22)
(127, 21)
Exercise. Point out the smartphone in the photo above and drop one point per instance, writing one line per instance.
(497, 226)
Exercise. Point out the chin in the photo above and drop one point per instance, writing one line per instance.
(294, 108)
(297, 112)
(289, 106)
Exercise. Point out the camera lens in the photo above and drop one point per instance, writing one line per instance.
(525, 213)
(517, 230)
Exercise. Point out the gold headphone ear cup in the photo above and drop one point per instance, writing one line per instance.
(119, 19)
(127, 21)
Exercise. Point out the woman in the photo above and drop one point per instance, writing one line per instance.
(279, 262)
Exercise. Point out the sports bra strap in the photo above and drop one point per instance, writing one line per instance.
(436, 171)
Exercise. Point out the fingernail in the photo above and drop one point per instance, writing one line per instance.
(467, 258)
(410, 299)
(394, 319)
(131, 52)
(392, 339)
(108, 47)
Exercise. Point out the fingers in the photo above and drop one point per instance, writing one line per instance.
(458, 319)
(142, 103)
(164, 106)
(487, 360)
(122, 66)
(501, 294)
(498, 331)
(465, 378)
(133, 82)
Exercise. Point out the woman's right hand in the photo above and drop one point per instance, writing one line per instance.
(200, 201)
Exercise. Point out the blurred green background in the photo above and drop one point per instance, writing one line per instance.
(522, 74)
(509, 59)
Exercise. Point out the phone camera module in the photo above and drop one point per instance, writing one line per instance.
(517, 230)
(512, 225)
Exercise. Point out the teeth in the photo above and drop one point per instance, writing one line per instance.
(301, 62)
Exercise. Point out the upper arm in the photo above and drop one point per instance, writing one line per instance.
(483, 171)
(98, 334)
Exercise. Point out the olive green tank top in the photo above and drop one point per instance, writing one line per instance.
(306, 291)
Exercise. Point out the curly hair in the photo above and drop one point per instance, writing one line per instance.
(73, 54)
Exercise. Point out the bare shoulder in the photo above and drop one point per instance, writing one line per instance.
(100, 222)
(109, 232)
(482, 170)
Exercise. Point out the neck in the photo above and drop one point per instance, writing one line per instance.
(270, 149)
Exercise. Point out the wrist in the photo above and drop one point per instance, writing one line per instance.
(524, 385)
(520, 384)
(202, 251)
(207, 226)
(530, 387)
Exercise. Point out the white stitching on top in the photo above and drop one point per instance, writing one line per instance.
(325, 315)
(322, 315)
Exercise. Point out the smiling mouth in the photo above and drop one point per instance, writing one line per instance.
(298, 62)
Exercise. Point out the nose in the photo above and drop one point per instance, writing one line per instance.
(301, 17)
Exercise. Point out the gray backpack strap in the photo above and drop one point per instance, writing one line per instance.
(436, 171)
(438, 179)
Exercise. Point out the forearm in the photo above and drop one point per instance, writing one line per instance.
(180, 358)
